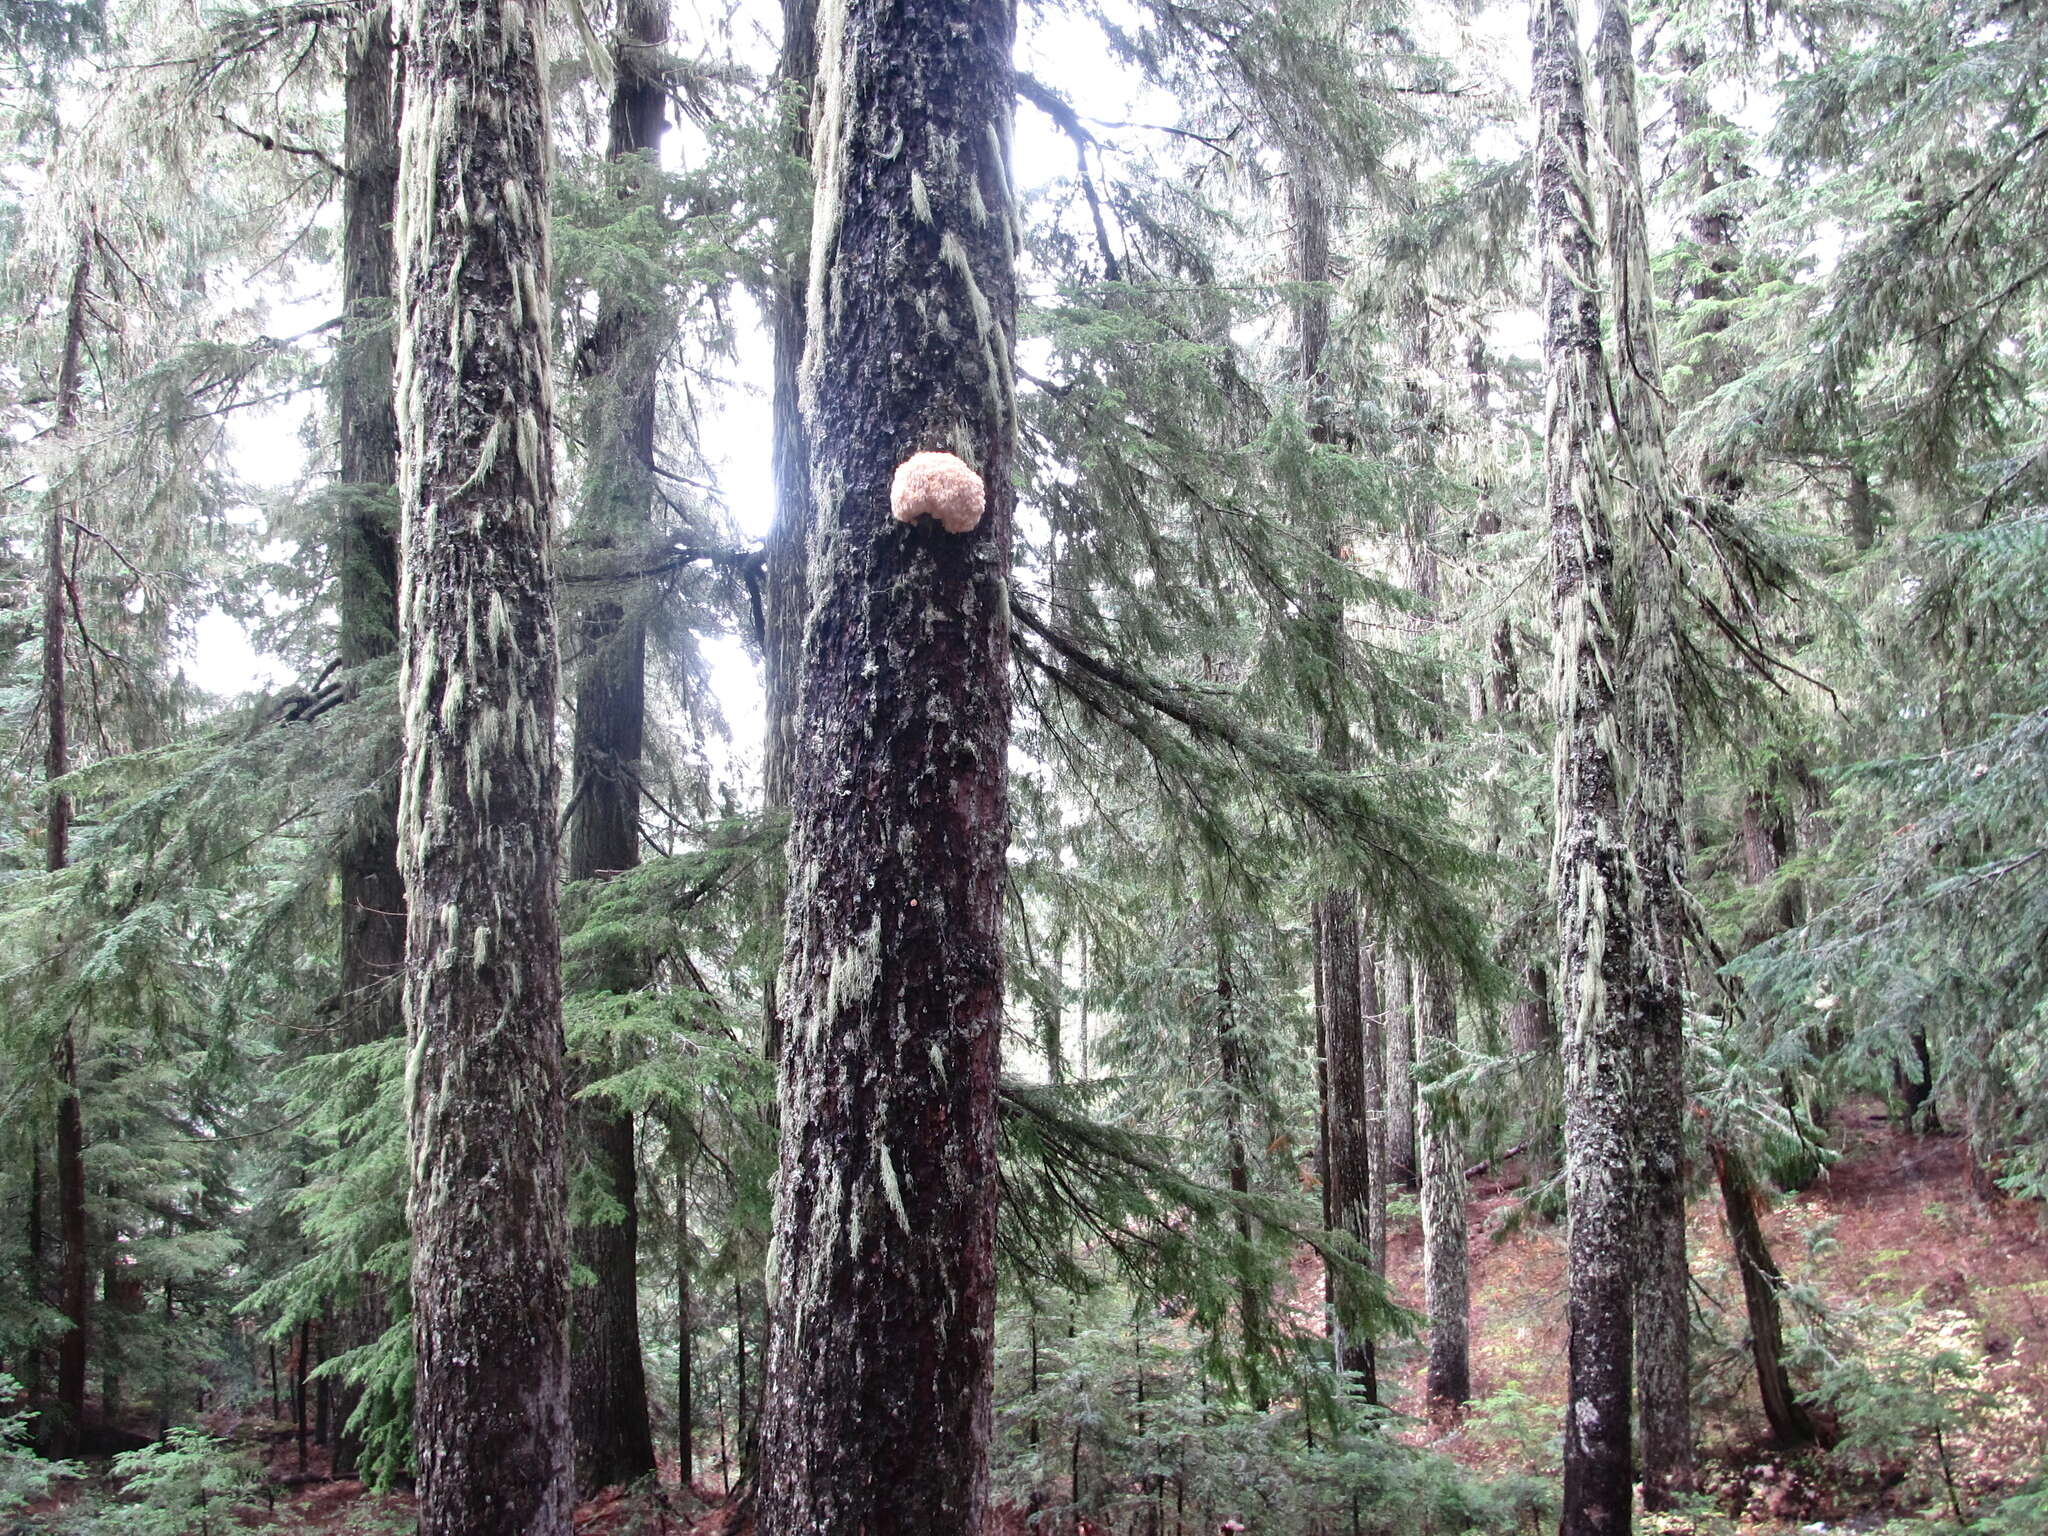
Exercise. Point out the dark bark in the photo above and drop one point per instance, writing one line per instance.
(1791, 1424)
(607, 1376)
(1348, 1171)
(366, 557)
(877, 1411)
(1447, 1382)
(1346, 1148)
(479, 790)
(1233, 1067)
(74, 1264)
(1591, 875)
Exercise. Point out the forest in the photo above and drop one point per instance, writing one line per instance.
(1104, 768)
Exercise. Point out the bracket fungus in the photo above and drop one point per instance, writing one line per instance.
(937, 485)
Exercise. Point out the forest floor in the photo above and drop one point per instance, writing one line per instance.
(1888, 1254)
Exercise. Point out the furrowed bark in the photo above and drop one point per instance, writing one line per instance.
(366, 557)
(882, 1272)
(1590, 874)
(1445, 1274)
(1657, 741)
(479, 790)
(607, 1376)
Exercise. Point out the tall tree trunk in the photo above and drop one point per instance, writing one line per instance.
(74, 1264)
(478, 839)
(1399, 1069)
(1791, 1424)
(1347, 1148)
(1590, 875)
(366, 555)
(607, 1376)
(1657, 740)
(877, 1412)
(1349, 1167)
(1445, 1276)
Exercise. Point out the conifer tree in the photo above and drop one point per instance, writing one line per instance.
(478, 811)
(1656, 743)
(882, 1270)
(608, 1388)
(1591, 877)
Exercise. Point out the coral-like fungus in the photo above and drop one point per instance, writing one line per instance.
(936, 485)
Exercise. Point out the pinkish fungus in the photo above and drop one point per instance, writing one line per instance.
(937, 485)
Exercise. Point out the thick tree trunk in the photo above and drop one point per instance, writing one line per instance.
(479, 789)
(607, 1377)
(1791, 1424)
(1399, 1070)
(877, 1414)
(366, 556)
(1590, 875)
(1445, 1277)
(1657, 738)
(74, 1264)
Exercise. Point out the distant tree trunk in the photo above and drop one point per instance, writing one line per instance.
(1234, 1069)
(1657, 739)
(1372, 1012)
(607, 1377)
(1400, 1070)
(74, 1264)
(877, 1411)
(1791, 1424)
(478, 810)
(37, 1279)
(1445, 1276)
(1591, 878)
(1347, 1149)
(1349, 1170)
(686, 1363)
(366, 559)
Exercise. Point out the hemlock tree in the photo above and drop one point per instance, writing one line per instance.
(1656, 740)
(608, 1383)
(877, 1414)
(478, 795)
(1591, 877)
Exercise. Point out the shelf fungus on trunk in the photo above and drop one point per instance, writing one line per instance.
(938, 486)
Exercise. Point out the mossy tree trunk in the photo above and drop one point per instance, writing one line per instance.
(366, 557)
(1591, 878)
(622, 363)
(1398, 1071)
(479, 790)
(1657, 740)
(882, 1275)
(1440, 1136)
